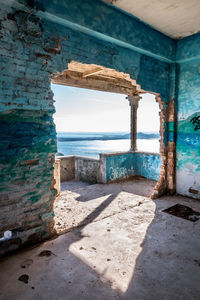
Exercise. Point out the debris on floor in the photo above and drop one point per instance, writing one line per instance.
(24, 278)
(184, 212)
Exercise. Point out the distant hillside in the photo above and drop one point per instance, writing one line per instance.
(104, 136)
(148, 136)
(143, 135)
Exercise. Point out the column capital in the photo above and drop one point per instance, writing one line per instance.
(134, 100)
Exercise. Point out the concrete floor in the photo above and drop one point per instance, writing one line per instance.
(81, 203)
(125, 248)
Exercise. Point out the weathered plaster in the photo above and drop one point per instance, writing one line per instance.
(67, 168)
(188, 132)
(87, 169)
(188, 157)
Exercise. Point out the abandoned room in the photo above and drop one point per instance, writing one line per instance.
(125, 225)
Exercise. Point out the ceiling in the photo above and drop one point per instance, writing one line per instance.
(175, 18)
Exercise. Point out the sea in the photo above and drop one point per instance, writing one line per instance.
(90, 144)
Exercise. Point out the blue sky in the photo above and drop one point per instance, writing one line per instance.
(87, 110)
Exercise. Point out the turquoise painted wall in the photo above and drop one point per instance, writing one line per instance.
(188, 49)
(111, 23)
(119, 166)
(188, 117)
(128, 164)
(148, 165)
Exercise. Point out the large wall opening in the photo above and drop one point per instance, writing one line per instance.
(80, 92)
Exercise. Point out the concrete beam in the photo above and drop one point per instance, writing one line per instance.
(112, 85)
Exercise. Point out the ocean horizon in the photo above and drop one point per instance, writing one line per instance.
(90, 144)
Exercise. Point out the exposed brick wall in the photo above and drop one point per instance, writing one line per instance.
(31, 51)
(27, 133)
(161, 185)
(166, 182)
(171, 148)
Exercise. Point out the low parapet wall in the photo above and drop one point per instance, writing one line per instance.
(87, 169)
(79, 168)
(67, 168)
(126, 164)
(110, 167)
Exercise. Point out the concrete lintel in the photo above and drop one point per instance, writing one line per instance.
(96, 83)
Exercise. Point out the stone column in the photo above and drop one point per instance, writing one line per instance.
(133, 102)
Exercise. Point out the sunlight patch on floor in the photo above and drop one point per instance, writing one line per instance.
(111, 247)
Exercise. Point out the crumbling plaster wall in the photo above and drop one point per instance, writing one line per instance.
(32, 49)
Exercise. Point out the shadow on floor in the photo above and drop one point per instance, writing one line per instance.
(168, 265)
(138, 186)
(139, 253)
(75, 207)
